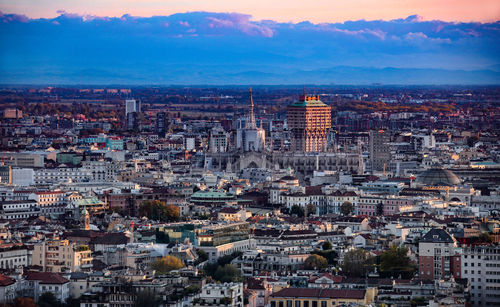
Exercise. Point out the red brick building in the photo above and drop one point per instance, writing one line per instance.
(438, 256)
(309, 120)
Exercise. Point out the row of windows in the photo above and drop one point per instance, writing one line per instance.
(50, 288)
(289, 303)
(492, 288)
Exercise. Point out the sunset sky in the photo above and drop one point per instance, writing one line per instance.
(242, 42)
(278, 10)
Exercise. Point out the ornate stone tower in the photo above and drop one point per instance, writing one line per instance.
(251, 138)
(85, 219)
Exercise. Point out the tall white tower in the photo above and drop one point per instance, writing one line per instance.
(251, 138)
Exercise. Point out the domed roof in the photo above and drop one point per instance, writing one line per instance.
(438, 177)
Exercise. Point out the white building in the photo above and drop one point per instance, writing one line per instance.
(37, 283)
(251, 138)
(131, 105)
(8, 287)
(102, 171)
(50, 202)
(218, 140)
(481, 266)
(227, 294)
(12, 256)
(58, 175)
(18, 209)
(23, 176)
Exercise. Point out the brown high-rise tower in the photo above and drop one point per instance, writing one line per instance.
(309, 120)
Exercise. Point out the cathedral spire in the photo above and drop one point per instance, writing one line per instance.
(251, 117)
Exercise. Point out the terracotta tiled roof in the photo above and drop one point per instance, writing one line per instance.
(6, 280)
(46, 277)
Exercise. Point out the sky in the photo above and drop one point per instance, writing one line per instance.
(259, 42)
(316, 11)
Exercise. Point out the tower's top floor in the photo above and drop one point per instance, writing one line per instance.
(309, 101)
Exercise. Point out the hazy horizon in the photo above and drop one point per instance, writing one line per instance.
(205, 47)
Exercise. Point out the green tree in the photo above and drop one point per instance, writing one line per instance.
(48, 299)
(327, 246)
(167, 264)
(202, 256)
(330, 255)
(227, 273)
(210, 268)
(346, 208)
(357, 262)
(395, 262)
(311, 209)
(297, 210)
(228, 258)
(315, 262)
(158, 210)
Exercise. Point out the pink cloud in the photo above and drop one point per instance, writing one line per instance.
(14, 17)
(184, 23)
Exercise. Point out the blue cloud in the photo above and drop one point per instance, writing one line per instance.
(204, 47)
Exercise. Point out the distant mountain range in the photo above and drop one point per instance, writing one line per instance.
(231, 48)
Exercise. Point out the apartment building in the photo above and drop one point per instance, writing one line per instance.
(481, 267)
(13, 255)
(439, 258)
(62, 256)
(227, 294)
(18, 209)
(314, 297)
(50, 202)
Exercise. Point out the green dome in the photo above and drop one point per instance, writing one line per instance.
(438, 177)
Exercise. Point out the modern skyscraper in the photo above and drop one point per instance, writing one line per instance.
(380, 154)
(161, 124)
(309, 121)
(133, 121)
(251, 138)
(132, 111)
(132, 105)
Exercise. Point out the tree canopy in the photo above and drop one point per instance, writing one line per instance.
(227, 273)
(315, 262)
(357, 262)
(395, 262)
(167, 264)
(327, 245)
(346, 208)
(330, 255)
(297, 210)
(158, 210)
(48, 299)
